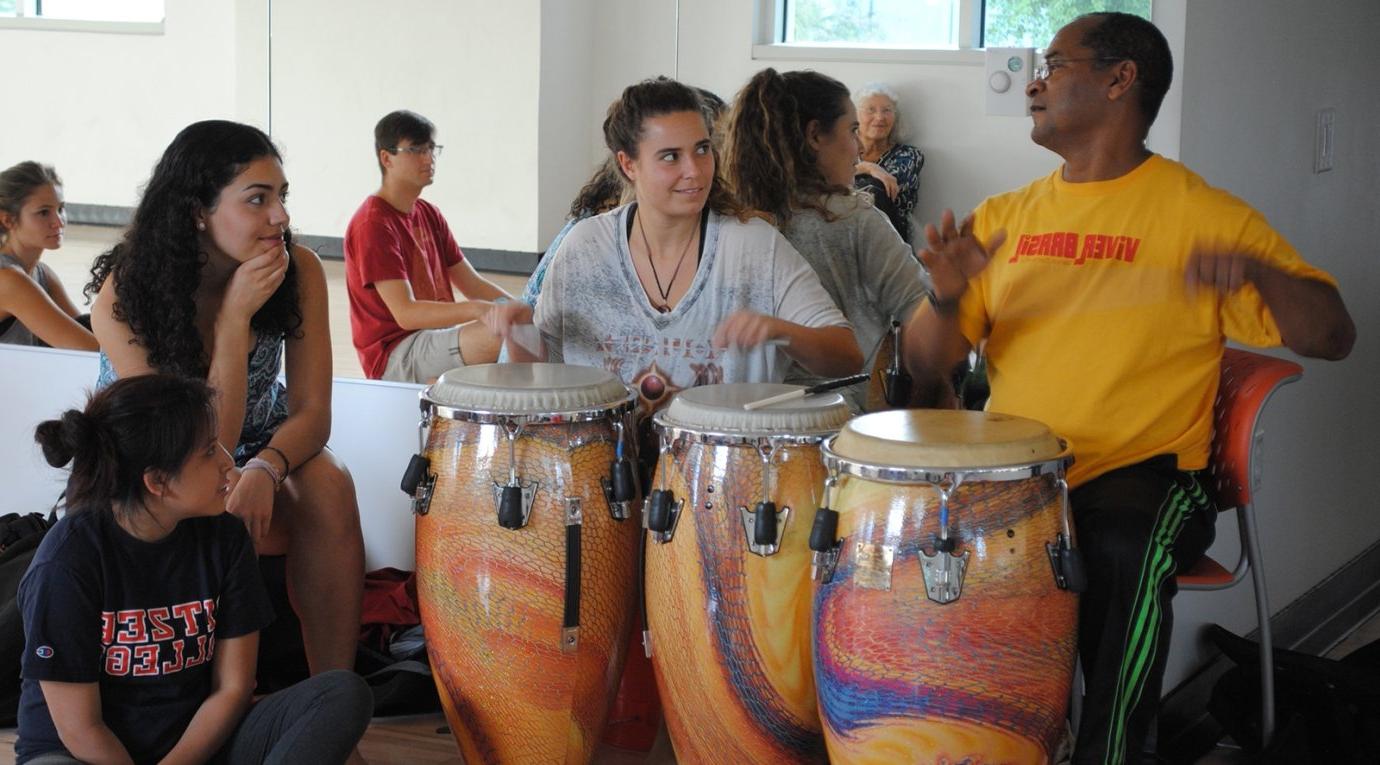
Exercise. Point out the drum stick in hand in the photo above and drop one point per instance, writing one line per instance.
(842, 382)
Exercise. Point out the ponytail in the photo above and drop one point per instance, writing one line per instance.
(768, 160)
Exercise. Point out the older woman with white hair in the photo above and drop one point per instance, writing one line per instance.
(889, 168)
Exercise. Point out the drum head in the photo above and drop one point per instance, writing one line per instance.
(946, 439)
(527, 389)
(719, 409)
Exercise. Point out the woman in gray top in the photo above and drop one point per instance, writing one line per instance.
(34, 308)
(677, 288)
(791, 150)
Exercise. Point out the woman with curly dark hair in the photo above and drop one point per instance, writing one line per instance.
(207, 283)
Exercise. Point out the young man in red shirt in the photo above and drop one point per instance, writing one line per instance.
(401, 262)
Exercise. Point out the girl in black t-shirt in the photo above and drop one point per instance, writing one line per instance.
(143, 606)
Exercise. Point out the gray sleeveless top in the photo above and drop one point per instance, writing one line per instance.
(12, 331)
(265, 407)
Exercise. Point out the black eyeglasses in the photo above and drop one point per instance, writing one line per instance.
(426, 149)
(1043, 71)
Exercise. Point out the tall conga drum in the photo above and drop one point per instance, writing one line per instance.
(526, 560)
(944, 616)
(728, 572)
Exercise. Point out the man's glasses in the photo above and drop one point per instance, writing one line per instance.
(1052, 65)
(426, 149)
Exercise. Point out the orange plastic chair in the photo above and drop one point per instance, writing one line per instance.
(1248, 382)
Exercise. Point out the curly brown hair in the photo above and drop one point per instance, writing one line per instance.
(768, 161)
(158, 263)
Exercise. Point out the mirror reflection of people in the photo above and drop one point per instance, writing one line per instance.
(34, 306)
(1105, 292)
(791, 149)
(676, 289)
(888, 167)
(207, 282)
(143, 605)
(401, 263)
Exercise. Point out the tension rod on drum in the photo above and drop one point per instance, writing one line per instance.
(512, 504)
(943, 570)
(764, 524)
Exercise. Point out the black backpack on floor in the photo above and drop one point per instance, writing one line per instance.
(19, 539)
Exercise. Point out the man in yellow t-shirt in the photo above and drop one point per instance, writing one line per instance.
(1105, 293)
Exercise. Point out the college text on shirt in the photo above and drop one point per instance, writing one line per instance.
(135, 640)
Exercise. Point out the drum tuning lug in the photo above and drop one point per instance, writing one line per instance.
(618, 510)
(647, 643)
(514, 503)
(944, 574)
(418, 482)
(417, 469)
(764, 526)
(823, 562)
(1067, 563)
(824, 529)
(663, 513)
(624, 482)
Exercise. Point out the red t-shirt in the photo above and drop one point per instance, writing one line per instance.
(383, 244)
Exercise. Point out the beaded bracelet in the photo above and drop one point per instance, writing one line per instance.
(268, 467)
(287, 464)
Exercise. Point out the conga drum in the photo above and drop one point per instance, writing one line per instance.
(728, 572)
(525, 559)
(943, 629)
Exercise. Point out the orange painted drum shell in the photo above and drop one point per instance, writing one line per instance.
(492, 598)
(730, 629)
(985, 678)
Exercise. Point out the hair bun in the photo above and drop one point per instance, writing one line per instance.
(64, 438)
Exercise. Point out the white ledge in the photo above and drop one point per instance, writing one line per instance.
(38, 23)
(802, 52)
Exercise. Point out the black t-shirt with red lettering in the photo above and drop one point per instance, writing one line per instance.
(139, 618)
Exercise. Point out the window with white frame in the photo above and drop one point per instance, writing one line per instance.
(932, 24)
(85, 10)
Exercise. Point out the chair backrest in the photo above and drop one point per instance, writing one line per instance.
(1248, 381)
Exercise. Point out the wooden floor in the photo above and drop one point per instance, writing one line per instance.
(82, 244)
(418, 740)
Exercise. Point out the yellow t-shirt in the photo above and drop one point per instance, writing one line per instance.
(1089, 325)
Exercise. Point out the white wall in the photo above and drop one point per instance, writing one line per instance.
(567, 67)
(102, 107)
(1248, 126)
(968, 155)
(471, 67)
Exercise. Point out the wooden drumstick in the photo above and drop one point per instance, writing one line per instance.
(842, 382)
